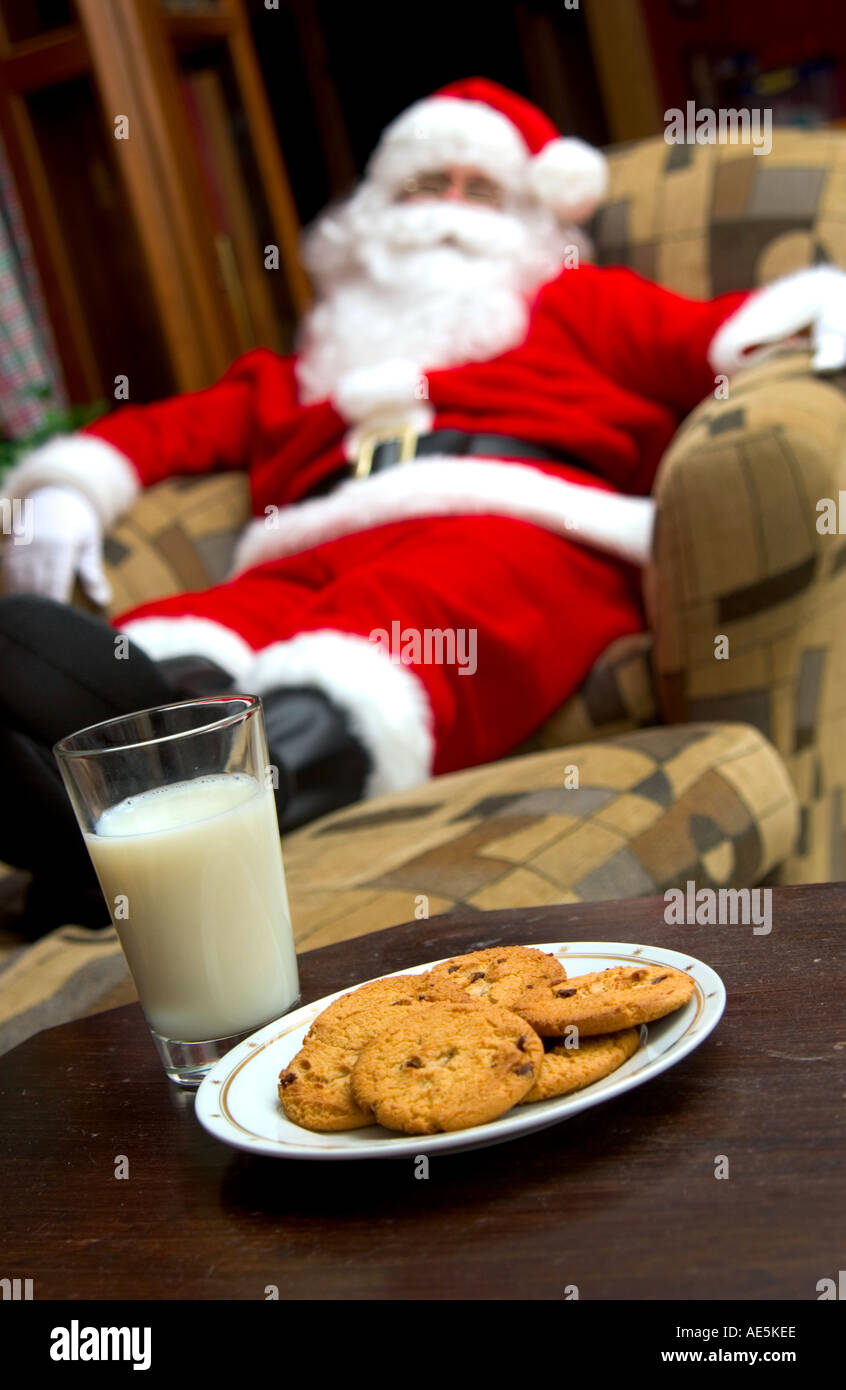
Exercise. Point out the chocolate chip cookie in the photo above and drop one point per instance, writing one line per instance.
(447, 1066)
(314, 1089)
(566, 1069)
(355, 1018)
(606, 1000)
(499, 975)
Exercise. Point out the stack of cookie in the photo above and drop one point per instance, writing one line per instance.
(474, 1036)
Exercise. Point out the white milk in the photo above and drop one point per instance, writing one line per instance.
(207, 930)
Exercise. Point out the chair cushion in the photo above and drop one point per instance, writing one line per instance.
(180, 535)
(651, 810)
(618, 695)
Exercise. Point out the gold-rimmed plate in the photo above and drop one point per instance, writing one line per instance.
(238, 1102)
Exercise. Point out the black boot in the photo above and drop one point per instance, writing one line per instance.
(194, 676)
(322, 766)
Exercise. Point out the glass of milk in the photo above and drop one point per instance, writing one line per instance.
(177, 809)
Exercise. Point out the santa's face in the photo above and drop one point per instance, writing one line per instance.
(459, 208)
(440, 270)
(455, 181)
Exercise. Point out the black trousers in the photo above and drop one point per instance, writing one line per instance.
(58, 673)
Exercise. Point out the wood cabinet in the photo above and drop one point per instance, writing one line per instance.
(152, 183)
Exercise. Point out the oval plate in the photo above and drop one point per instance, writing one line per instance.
(237, 1101)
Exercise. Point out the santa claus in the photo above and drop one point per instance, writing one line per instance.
(459, 457)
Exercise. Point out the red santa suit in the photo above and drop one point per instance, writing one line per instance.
(610, 366)
(533, 558)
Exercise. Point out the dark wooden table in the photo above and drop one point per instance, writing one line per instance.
(621, 1201)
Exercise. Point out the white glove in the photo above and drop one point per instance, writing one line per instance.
(61, 537)
(810, 299)
(389, 390)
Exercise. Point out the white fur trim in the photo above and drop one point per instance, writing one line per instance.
(386, 704)
(184, 635)
(450, 130)
(569, 176)
(775, 313)
(82, 461)
(444, 486)
(389, 388)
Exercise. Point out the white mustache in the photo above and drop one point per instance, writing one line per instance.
(384, 239)
(477, 231)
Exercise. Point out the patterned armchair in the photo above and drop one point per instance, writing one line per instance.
(713, 746)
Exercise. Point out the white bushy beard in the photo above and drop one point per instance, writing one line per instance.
(438, 282)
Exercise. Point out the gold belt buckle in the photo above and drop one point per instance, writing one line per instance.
(370, 441)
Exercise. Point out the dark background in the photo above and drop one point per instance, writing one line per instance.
(337, 72)
(381, 57)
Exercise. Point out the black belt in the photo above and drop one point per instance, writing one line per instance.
(384, 450)
(393, 449)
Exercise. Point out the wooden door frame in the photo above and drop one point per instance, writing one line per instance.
(631, 93)
(136, 74)
(275, 181)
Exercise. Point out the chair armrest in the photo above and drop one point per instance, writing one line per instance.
(747, 595)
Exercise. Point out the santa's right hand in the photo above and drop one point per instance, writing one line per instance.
(56, 534)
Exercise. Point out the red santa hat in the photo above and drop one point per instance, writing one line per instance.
(480, 124)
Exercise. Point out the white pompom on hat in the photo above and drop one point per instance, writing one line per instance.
(481, 124)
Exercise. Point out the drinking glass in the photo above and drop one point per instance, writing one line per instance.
(177, 810)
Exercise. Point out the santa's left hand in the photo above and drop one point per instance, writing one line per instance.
(813, 300)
